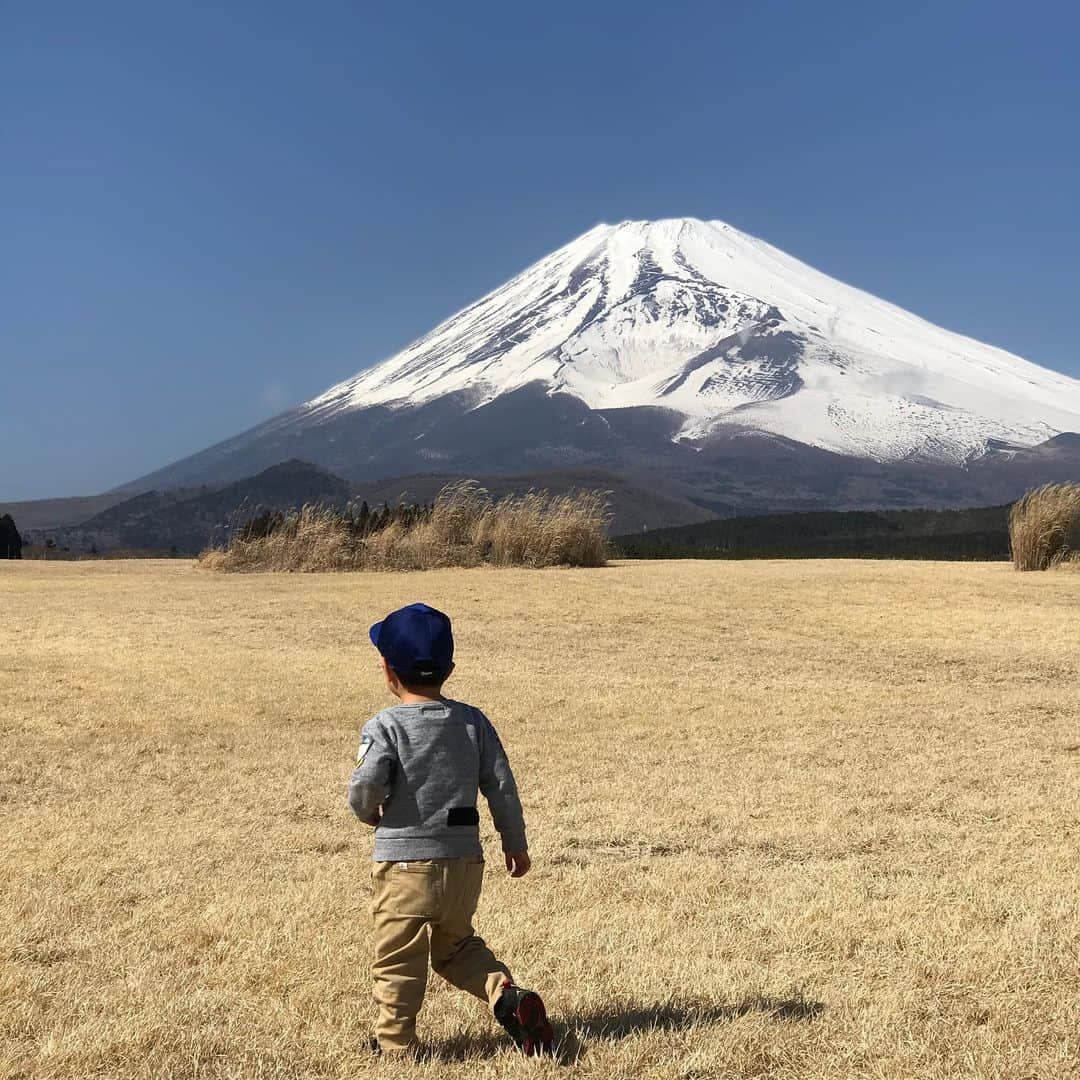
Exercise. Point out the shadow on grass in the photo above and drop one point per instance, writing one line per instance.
(575, 1030)
(620, 1021)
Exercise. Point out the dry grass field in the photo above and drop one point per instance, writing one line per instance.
(789, 819)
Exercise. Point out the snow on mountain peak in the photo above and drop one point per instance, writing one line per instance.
(701, 318)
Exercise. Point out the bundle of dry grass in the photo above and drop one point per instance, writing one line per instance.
(313, 538)
(1044, 526)
(465, 527)
(538, 529)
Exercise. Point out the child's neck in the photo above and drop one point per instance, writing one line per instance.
(407, 697)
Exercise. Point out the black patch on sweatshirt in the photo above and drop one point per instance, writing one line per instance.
(463, 815)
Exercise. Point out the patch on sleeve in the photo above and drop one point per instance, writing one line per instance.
(462, 815)
(365, 746)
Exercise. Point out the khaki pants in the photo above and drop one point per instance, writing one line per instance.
(410, 900)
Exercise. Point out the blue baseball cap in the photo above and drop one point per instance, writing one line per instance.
(417, 642)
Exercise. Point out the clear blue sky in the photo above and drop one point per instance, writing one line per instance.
(211, 211)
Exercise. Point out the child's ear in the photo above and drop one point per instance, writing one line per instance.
(391, 678)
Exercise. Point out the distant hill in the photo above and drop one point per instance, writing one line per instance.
(976, 534)
(56, 513)
(187, 520)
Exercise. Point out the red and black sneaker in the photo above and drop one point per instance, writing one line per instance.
(523, 1015)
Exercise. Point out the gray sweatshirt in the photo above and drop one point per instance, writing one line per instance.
(424, 764)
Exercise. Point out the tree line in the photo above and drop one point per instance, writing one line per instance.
(978, 534)
(11, 543)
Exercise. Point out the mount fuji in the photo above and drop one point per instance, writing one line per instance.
(692, 353)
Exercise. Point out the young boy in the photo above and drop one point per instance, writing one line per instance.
(420, 766)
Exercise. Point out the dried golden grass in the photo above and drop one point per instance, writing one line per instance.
(466, 527)
(314, 538)
(808, 820)
(538, 529)
(1044, 527)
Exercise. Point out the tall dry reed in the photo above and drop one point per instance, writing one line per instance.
(1044, 526)
(465, 527)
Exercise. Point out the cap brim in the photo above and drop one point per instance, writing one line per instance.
(373, 633)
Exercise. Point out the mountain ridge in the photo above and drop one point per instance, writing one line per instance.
(659, 346)
(705, 319)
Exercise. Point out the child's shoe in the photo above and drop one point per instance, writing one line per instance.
(413, 1052)
(523, 1015)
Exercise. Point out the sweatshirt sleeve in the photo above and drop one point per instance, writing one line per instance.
(373, 777)
(500, 789)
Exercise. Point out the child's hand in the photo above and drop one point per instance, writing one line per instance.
(375, 818)
(518, 863)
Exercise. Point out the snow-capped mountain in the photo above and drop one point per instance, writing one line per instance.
(726, 330)
(694, 358)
